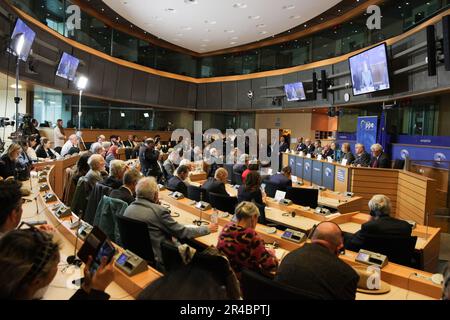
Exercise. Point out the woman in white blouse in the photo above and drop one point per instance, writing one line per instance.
(32, 142)
(59, 134)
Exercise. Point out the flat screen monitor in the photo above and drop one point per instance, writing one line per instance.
(303, 197)
(295, 91)
(68, 66)
(370, 71)
(29, 36)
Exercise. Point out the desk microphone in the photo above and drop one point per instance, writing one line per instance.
(73, 260)
(200, 222)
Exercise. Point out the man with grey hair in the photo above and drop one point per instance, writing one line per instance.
(242, 164)
(100, 139)
(161, 226)
(170, 165)
(127, 192)
(381, 225)
(71, 143)
(217, 184)
(379, 158)
(97, 170)
(362, 158)
(316, 268)
(117, 169)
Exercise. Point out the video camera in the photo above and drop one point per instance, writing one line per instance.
(5, 122)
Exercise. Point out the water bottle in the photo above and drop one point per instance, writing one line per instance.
(215, 217)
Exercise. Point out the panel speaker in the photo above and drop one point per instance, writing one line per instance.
(446, 33)
(431, 50)
(324, 84)
(314, 84)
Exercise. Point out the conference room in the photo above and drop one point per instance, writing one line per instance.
(223, 151)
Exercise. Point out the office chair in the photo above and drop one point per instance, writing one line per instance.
(196, 193)
(229, 168)
(272, 188)
(398, 164)
(135, 237)
(238, 178)
(257, 287)
(222, 202)
(170, 256)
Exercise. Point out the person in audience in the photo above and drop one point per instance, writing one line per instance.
(106, 145)
(242, 164)
(190, 165)
(8, 162)
(379, 158)
(187, 284)
(127, 192)
(29, 261)
(117, 169)
(309, 147)
(217, 184)
(317, 148)
(59, 136)
(31, 152)
(347, 153)
(170, 164)
(82, 167)
(97, 170)
(44, 151)
(99, 149)
(381, 224)
(251, 190)
(243, 246)
(301, 146)
(100, 139)
(327, 152)
(282, 180)
(70, 144)
(176, 183)
(362, 158)
(214, 162)
(161, 226)
(252, 166)
(112, 154)
(283, 145)
(35, 129)
(148, 158)
(317, 269)
(337, 153)
(131, 142)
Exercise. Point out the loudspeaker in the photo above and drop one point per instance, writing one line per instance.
(314, 83)
(446, 33)
(324, 84)
(431, 50)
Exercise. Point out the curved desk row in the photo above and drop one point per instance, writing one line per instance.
(404, 283)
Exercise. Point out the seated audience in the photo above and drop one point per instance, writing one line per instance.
(99, 142)
(11, 208)
(316, 267)
(362, 158)
(283, 179)
(217, 184)
(347, 153)
(127, 192)
(8, 162)
(381, 224)
(300, 146)
(99, 149)
(131, 142)
(327, 152)
(379, 158)
(161, 226)
(71, 144)
(309, 147)
(31, 144)
(117, 169)
(97, 170)
(112, 154)
(176, 183)
(251, 190)
(252, 166)
(170, 164)
(243, 246)
(29, 261)
(44, 151)
(148, 157)
(317, 148)
(82, 167)
(242, 164)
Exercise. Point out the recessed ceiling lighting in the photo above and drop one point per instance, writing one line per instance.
(210, 22)
(263, 32)
(206, 40)
(254, 17)
(261, 25)
(203, 45)
(289, 7)
(239, 5)
(176, 40)
(234, 38)
(186, 28)
(13, 86)
(171, 10)
(234, 42)
(294, 17)
(190, 1)
(228, 31)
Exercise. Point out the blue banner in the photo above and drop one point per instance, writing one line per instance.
(328, 175)
(317, 172)
(367, 131)
(299, 167)
(436, 141)
(400, 151)
(307, 170)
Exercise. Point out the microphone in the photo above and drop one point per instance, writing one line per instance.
(73, 260)
(200, 222)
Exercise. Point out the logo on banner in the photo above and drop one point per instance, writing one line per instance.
(439, 157)
(307, 166)
(328, 172)
(404, 154)
(367, 125)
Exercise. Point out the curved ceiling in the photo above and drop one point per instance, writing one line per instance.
(208, 25)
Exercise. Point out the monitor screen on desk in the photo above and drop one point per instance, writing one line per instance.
(303, 197)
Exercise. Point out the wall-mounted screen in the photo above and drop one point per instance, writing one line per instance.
(23, 46)
(68, 66)
(295, 91)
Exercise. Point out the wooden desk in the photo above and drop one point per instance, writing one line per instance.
(59, 168)
(132, 286)
(196, 176)
(399, 277)
(121, 154)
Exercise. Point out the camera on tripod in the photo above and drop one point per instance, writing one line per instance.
(5, 122)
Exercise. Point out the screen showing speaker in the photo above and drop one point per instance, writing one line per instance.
(22, 46)
(68, 66)
(295, 91)
(370, 71)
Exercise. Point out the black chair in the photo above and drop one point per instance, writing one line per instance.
(238, 178)
(170, 256)
(257, 287)
(136, 238)
(229, 168)
(222, 202)
(58, 150)
(398, 164)
(272, 188)
(400, 250)
(196, 193)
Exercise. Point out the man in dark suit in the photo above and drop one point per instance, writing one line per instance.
(217, 184)
(379, 158)
(148, 158)
(283, 145)
(127, 191)
(240, 167)
(169, 165)
(282, 180)
(380, 225)
(362, 158)
(300, 146)
(176, 183)
(316, 267)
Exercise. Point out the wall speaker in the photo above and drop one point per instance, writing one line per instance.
(314, 83)
(446, 33)
(431, 50)
(324, 84)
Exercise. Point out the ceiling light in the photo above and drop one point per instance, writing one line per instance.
(190, 1)
(289, 7)
(179, 34)
(234, 38)
(171, 10)
(186, 28)
(82, 82)
(228, 31)
(239, 5)
(122, 114)
(146, 115)
(210, 22)
(13, 86)
(263, 32)
(234, 42)
(206, 40)
(261, 25)
(294, 17)
(254, 17)
(203, 45)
